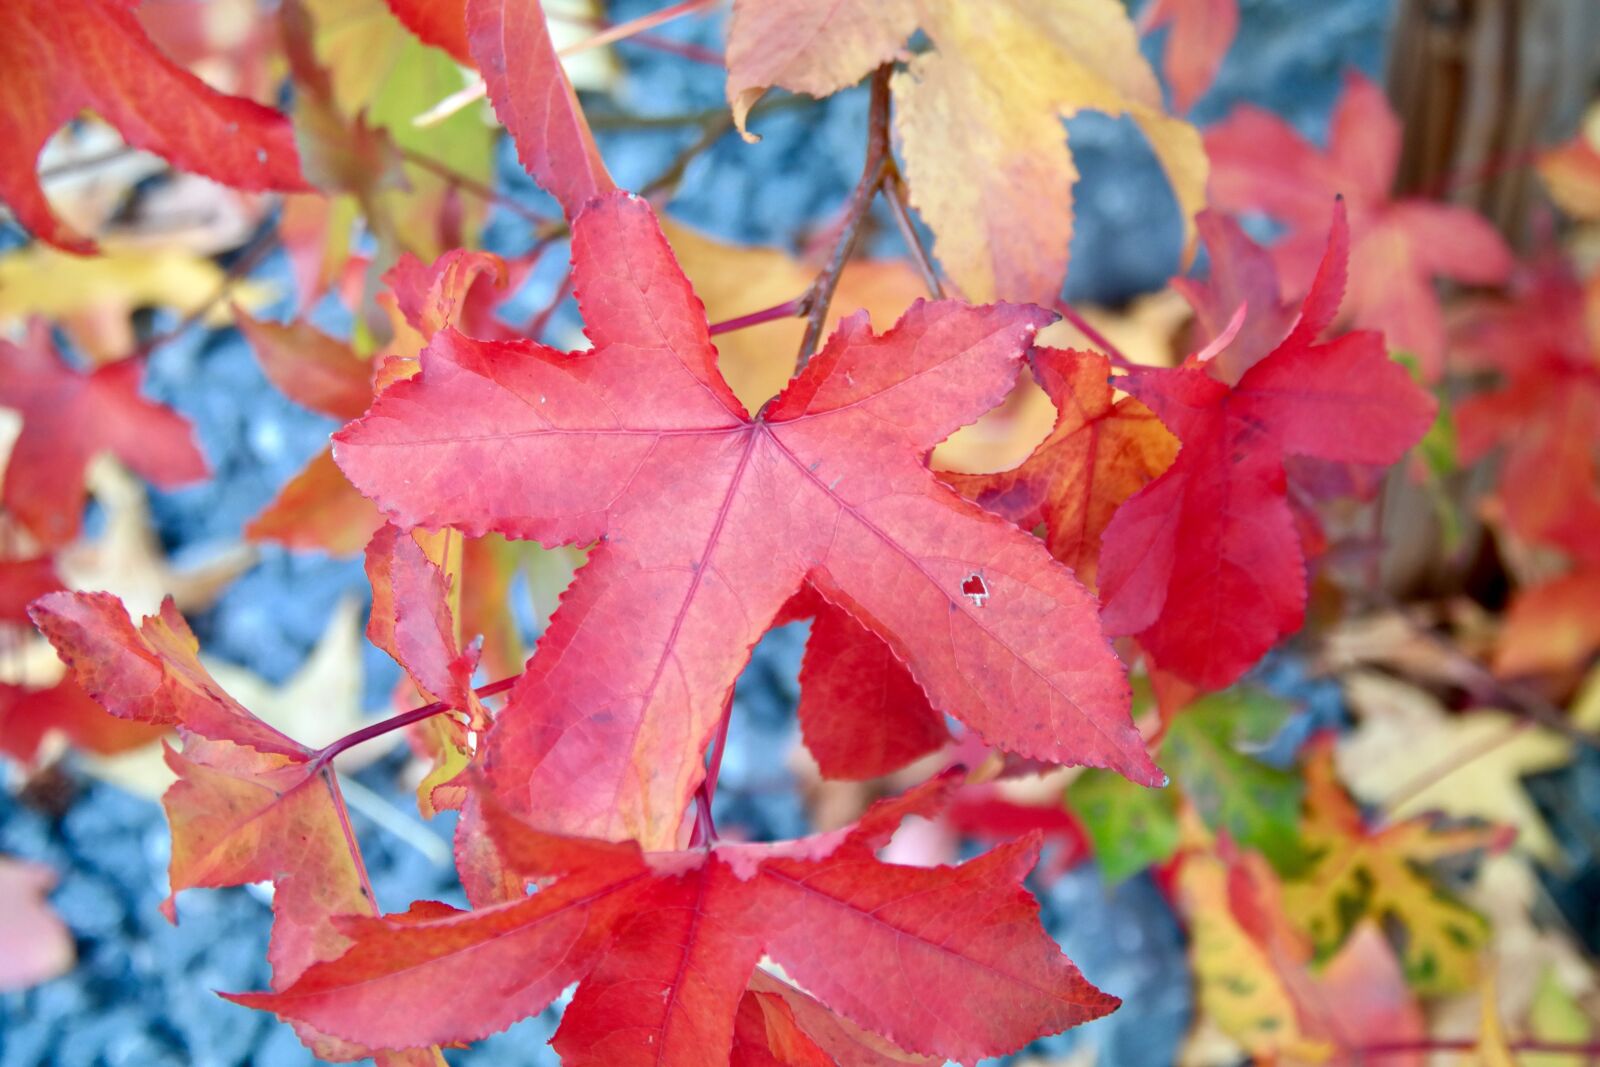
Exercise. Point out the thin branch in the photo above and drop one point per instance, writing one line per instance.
(668, 180)
(84, 163)
(326, 754)
(786, 310)
(250, 256)
(1470, 1044)
(1513, 697)
(894, 191)
(1096, 338)
(622, 30)
(624, 120)
(878, 163)
(479, 189)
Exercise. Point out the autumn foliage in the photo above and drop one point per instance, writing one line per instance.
(1160, 522)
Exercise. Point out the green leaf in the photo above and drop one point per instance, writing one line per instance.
(1206, 753)
(1130, 826)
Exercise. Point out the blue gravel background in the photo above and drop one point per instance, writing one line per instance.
(141, 994)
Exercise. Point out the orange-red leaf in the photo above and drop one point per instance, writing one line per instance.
(1100, 452)
(60, 57)
(1199, 33)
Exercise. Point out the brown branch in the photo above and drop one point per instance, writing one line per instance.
(1470, 1044)
(483, 191)
(878, 164)
(1515, 698)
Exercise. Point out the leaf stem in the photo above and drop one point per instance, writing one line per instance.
(1096, 338)
(705, 829)
(894, 192)
(786, 310)
(879, 164)
(326, 754)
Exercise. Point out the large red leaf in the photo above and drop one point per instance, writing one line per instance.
(708, 521)
(249, 805)
(1205, 564)
(945, 961)
(60, 57)
(1259, 163)
(68, 418)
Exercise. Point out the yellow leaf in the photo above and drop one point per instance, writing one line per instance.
(986, 156)
(1473, 762)
(1242, 979)
(1358, 872)
(1493, 1048)
(95, 297)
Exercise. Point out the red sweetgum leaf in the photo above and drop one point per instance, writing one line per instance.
(1259, 163)
(708, 521)
(946, 961)
(1100, 452)
(411, 620)
(861, 713)
(319, 508)
(1242, 274)
(842, 1042)
(249, 805)
(511, 44)
(1199, 33)
(1205, 565)
(69, 417)
(60, 57)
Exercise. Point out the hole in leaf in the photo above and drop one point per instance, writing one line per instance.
(975, 590)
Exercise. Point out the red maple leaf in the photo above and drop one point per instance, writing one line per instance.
(708, 520)
(943, 961)
(1259, 163)
(249, 805)
(69, 417)
(60, 57)
(1205, 564)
